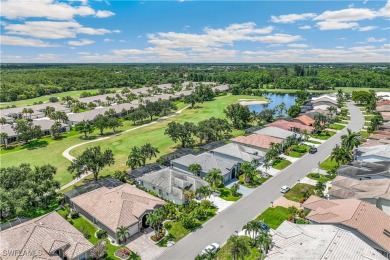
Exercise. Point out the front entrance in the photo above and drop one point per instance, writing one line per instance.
(234, 173)
(143, 224)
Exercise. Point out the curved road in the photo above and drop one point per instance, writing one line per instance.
(232, 219)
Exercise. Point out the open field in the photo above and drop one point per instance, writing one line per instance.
(31, 101)
(121, 144)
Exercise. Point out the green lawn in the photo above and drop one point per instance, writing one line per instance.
(313, 142)
(298, 151)
(80, 223)
(121, 145)
(364, 134)
(225, 252)
(328, 164)
(295, 194)
(321, 177)
(280, 164)
(226, 194)
(74, 94)
(257, 181)
(273, 217)
(324, 136)
(336, 126)
(176, 232)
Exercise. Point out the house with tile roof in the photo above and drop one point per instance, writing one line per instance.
(208, 161)
(365, 170)
(320, 242)
(373, 153)
(304, 119)
(171, 184)
(124, 205)
(258, 141)
(277, 132)
(359, 217)
(374, 191)
(238, 152)
(47, 237)
(291, 126)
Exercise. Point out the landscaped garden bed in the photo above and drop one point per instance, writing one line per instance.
(298, 151)
(226, 194)
(324, 135)
(225, 253)
(257, 181)
(123, 253)
(280, 164)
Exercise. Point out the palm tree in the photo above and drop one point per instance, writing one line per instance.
(25, 111)
(341, 155)
(351, 139)
(249, 171)
(252, 229)
(214, 177)
(30, 111)
(195, 169)
(267, 164)
(4, 138)
(305, 133)
(282, 107)
(48, 110)
(122, 233)
(170, 210)
(320, 186)
(265, 241)
(135, 158)
(150, 151)
(3, 120)
(234, 189)
(238, 247)
(203, 192)
(154, 220)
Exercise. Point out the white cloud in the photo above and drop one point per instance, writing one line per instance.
(50, 9)
(305, 27)
(351, 5)
(372, 39)
(298, 45)
(52, 29)
(82, 42)
(26, 42)
(291, 18)
(103, 14)
(367, 28)
(347, 15)
(336, 25)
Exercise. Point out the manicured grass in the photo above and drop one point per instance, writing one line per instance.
(226, 194)
(80, 223)
(225, 252)
(280, 164)
(295, 194)
(367, 118)
(321, 178)
(328, 164)
(154, 134)
(336, 126)
(296, 151)
(274, 217)
(313, 142)
(364, 134)
(74, 94)
(324, 135)
(367, 123)
(257, 181)
(176, 232)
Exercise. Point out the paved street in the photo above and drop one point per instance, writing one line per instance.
(221, 227)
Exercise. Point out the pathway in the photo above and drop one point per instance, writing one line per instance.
(67, 155)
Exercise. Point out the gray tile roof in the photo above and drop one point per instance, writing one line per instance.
(242, 152)
(172, 181)
(101, 98)
(38, 109)
(293, 241)
(221, 87)
(378, 150)
(359, 168)
(45, 124)
(276, 132)
(207, 161)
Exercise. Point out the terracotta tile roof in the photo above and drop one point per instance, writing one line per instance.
(378, 136)
(119, 206)
(289, 125)
(386, 116)
(258, 140)
(383, 102)
(362, 216)
(43, 236)
(306, 120)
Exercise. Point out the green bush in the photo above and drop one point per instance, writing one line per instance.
(74, 214)
(101, 234)
(299, 149)
(315, 175)
(70, 221)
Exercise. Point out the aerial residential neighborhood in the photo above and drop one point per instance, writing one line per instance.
(201, 130)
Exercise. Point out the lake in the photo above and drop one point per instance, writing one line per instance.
(275, 100)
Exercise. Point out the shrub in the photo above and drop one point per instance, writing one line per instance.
(299, 149)
(74, 214)
(70, 221)
(101, 234)
(300, 221)
(315, 175)
(206, 204)
(84, 230)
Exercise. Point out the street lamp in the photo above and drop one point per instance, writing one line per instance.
(272, 204)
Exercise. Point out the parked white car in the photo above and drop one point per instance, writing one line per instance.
(214, 247)
(284, 189)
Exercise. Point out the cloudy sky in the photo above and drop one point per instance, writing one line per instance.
(195, 31)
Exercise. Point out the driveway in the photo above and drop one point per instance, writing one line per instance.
(144, 246)
(225, 224)
(243, 190)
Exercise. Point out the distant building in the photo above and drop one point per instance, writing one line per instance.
(47, 237)
(320, 242)
(364, 220)
(171, 184)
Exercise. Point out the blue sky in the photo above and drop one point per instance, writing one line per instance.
(195, 31)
